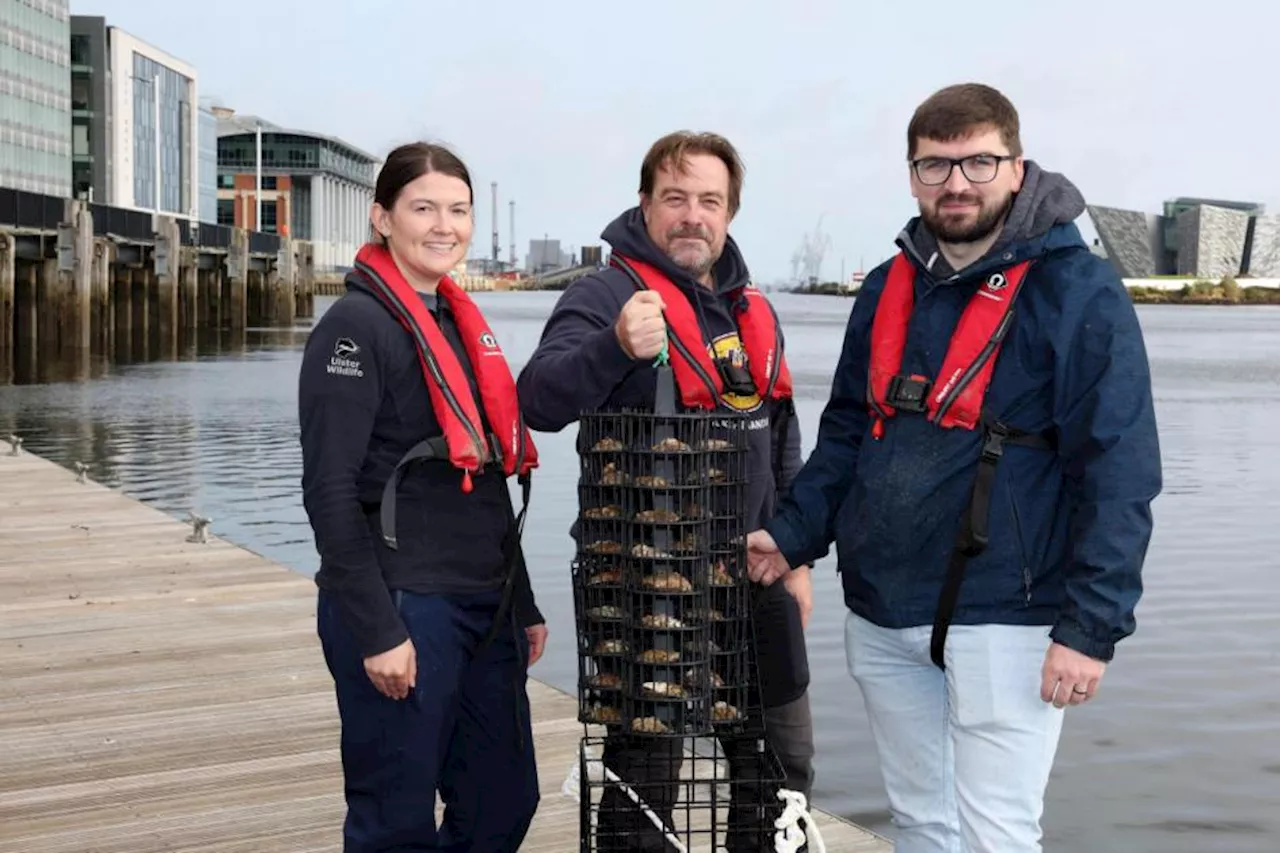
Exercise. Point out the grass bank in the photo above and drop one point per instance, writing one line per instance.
(1225, 292)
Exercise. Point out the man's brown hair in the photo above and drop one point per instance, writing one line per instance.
(957, 111)
(672, 149)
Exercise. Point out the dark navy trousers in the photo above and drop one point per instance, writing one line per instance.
(464, 731)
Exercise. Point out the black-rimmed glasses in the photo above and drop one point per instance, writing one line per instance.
(977, 168)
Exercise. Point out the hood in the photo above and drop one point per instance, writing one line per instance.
(1045, 200)
(626, 235)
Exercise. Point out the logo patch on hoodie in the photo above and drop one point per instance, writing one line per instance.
(729, 346)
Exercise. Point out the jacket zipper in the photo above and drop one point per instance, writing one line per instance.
(776, 367)
(1022, 548)
(978, 363)
(702, 374)
(481, 446)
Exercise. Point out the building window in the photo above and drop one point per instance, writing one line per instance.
(79, 140)
(226, 182)
(268, 217)
(226, 211)
(79, 50)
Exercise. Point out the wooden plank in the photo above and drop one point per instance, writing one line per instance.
(163, 695)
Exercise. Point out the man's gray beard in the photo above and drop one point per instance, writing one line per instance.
(698, 270)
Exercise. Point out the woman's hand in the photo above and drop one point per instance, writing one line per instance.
(537, 635)
(395, 671)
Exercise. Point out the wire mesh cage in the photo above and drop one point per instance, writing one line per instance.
(666, 650)
(716, 800)
(661, 600)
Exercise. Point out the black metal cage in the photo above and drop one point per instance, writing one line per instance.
(721, 800)
(660, 591)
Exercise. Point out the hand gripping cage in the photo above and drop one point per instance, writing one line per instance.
(665, 633)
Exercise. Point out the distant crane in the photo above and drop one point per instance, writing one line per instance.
(806, 260)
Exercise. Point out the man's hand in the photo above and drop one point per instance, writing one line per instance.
(537, 635)
(641, 328)
(765, 563)
(394, 672)
(1069, 677)
(799, 582)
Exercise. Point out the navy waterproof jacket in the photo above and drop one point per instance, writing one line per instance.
(1069, 528)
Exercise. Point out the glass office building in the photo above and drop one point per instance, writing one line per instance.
(35, 96)
(174, 138)
(208, 170)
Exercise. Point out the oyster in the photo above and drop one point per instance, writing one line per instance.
(658, 656)
(660, 620)
(669, 581)
(605, 681)
(658, 516)
(604, 546)
(605, 576)
(649, 725)
(663, 688)
(723, 712)
(603, 714)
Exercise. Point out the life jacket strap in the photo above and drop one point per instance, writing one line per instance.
(972, 538)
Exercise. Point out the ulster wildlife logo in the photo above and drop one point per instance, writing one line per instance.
(341, 362)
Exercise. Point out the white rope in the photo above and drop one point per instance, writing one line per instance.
(788, 839)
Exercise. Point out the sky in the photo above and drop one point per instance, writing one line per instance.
(558, 101)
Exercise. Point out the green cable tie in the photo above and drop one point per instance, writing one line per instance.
(663, 357)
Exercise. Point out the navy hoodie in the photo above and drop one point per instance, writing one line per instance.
(362, 403)
(579, 365)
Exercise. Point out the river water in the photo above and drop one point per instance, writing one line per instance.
(1180, 752)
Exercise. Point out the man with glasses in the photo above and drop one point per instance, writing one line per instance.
(985, 465)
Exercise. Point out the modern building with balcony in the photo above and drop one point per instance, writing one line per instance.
(35, 96)
(136, 123)
(314, 187)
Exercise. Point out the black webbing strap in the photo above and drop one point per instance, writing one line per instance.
(512, 563)
(436, 448)
(431, 448)
(972, 537)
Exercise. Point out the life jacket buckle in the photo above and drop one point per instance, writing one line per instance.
(993, 442)
(909, 394)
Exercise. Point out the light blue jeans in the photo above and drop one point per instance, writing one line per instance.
(965, 753)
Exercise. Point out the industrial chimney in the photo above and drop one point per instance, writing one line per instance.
(512, 234)
(494, 186)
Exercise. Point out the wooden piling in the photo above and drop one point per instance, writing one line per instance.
(122, 303)
(100, 319)
(8, 279)
(188, 291)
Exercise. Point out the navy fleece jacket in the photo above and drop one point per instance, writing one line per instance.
(362, 403)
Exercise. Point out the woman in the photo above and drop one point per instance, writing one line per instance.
(410, 426)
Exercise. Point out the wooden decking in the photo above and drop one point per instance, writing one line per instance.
(159, 695)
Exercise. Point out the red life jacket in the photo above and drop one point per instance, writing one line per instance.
(700, 383)
(955, 397)
(451, 398)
